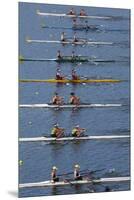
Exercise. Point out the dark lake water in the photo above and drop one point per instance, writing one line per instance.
(38, 158)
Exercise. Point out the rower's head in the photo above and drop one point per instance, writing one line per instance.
(72, 93)
(58, 51)
(77, 166)
(74, 20)
(54, 168)
(86, 21)
(73, 52)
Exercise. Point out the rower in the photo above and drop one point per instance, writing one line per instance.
(57, 100)
(54, 177)
(74, 75)
(63, 37)
(77, 175)
(71, 12)
(74, 99)
(57, 131)
(73, 54)
(59, 54)
(59, 76)
(75, 38)
(82, 12)
(77, 131)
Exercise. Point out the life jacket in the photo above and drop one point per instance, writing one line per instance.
(62, 38)
(53, 175)
(76, 174)
(59, 55)
(74, 132)
(53, 132)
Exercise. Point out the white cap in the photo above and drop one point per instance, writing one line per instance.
(77, 166)
(77, 126)
(56, 125)
(54, 167)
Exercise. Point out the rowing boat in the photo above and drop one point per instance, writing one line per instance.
(73, 182)
(68, 105)
(70, 81)
(80, 42)
(72, 16)
(69, 59)
(51, 139)
(77, 27)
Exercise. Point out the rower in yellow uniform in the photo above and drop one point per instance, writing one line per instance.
(77, 131)
(57, 131)
(74, 75)
(74, 100)
(59, 76)
(54, 177)
(77, 175)
(57, 100)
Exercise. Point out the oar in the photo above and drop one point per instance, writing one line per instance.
(71, 173)
(82, 171)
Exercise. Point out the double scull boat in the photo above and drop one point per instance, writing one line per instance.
(70, 59)
(72, 16)
(73, 182)
(51, 139)
(70, 81)
(79, 42)
(69, 105)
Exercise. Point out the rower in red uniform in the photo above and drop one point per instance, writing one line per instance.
(71, 12)
(54, 177)
(57, 100)
(59, 54)
(77, 175)
(82, 12)
(59, 76)
(74, 75)
(74, 100)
